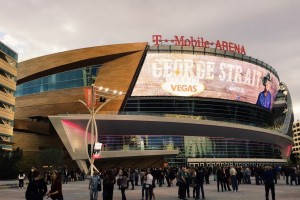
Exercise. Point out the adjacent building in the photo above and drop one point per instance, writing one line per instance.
(296, 137)
(8, 73)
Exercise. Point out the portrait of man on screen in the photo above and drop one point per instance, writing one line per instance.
(265, 97)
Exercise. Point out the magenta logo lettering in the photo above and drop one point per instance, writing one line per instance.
(198, 42)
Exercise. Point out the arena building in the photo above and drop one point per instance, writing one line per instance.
(193, 105)
(8, 73)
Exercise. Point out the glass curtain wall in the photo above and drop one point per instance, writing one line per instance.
(81, 77)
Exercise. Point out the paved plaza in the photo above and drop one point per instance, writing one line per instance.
(79, 191)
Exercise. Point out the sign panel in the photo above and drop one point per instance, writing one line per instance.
(176, 74)
(88, 95)
(198, 42)
(97, 150)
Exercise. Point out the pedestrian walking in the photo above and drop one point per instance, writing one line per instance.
(269, 183)
(124, 184)
(55, 192)
(37, 188)
(93, 185)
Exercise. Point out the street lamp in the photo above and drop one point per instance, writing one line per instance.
(93, 95)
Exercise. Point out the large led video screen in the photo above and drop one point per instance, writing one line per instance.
(189, 75)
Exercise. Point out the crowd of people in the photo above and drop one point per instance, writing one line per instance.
(190, 180)
(37, 186)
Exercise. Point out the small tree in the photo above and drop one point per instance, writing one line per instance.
(52, 157)
(9, 163)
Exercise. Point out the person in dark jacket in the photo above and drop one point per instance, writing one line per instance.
(181, 183)
(287, 174)
(55, 192)
(37, 188)
(109, 181)
(226, 179)
(124, 184)
(199, 182)
(188, 181)
(269, 183)
(220, 178)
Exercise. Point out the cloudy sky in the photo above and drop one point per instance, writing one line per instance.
(268, 29)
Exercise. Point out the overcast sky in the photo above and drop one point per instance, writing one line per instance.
(268, 29)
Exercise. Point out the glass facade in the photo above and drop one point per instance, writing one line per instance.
(209, 147)
(81, 77)
(208, 109)
(202, 108)
(142, 142)
(193, 146)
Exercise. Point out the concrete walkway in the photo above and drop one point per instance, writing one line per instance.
(79, 191)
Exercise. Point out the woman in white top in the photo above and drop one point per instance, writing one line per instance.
(149, 185)
(21, 179)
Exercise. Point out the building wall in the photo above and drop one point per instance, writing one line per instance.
(118, 67)
(8, 73)
(33, 146)
(33, 143)
(116, 73)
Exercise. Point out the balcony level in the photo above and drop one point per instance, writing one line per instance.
(7, 98)
(6, 129)
(7, 114)
(8, 83)
(8, 68)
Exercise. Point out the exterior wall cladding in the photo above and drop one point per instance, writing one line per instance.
(214, 91)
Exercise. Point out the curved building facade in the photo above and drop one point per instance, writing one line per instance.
(189, 104)
(8, 73)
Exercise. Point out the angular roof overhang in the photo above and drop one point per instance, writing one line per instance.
(71, 129)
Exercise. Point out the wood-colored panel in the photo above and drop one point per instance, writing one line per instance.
(32, 126)
(7, 67)
(7, 98)
(7, 114)
(116, 74)
(6, 129)
(50, 103)
(32, 142)
(48, 62)
(8, 83)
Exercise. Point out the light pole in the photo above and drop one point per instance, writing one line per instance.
(92, 94)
